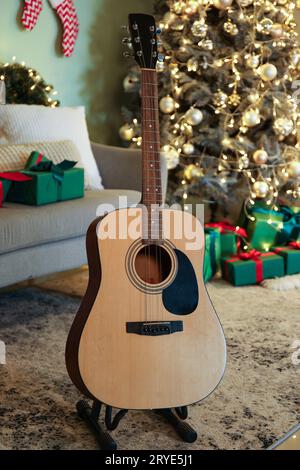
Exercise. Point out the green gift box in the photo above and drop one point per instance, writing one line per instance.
(44, 189)
(263, 227)
(229, 243)
(49, 183)
(231, 237)
(291, 226)
(4, 188)
(212, 253)
(6, 180)
(245, 271)
(291, 256)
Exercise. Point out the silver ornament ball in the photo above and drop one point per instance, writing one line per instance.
(267, 72)
(251, 118)
(171, 155)
(194, 116)
(294, 170)
(167, 104)
(188, 148)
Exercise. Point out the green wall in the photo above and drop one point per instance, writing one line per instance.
(93, 75)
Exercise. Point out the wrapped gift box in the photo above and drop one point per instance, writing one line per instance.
(291, 225)
(6, 180)
(44, 189)
(48, 182)
(252, 268)
(212, 253)
(231, 237)
(291, 257)
(263, 227)
(4, 188)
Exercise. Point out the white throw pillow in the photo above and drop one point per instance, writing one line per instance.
(24, 124)
(14, 157)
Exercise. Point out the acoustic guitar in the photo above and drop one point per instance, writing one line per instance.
(146, 335)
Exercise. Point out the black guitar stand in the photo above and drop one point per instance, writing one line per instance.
(91, 416)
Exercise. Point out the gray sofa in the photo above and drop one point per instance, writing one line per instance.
(37, 241)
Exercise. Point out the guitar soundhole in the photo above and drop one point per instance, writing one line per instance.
(153, 264)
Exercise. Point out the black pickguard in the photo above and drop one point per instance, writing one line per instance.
(182, 296)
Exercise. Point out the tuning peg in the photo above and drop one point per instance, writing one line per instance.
(126, 40)
(128, 54)
(125, 27)
(158, 31)
(160, 57)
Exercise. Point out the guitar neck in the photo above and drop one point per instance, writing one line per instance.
(151, 188)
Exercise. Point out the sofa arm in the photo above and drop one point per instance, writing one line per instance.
(121, 168)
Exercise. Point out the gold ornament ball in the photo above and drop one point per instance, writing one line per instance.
(268, 72)
(194, 116)
(261, 189)
(294, 170)
(222, 4)
(251, 118)
(260, 157)
(188, 148)
(167, 104)
(171, 155)
(126, 132)
(277, 30)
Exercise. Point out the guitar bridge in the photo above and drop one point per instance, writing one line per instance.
(154, 328)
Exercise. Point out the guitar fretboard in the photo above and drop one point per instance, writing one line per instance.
(152, 187)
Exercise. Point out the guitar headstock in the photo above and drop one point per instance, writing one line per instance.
(143, 34)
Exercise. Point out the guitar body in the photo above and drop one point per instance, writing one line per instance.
(146, 335)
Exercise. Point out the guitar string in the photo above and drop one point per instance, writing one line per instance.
(153, 222)
(145, 177)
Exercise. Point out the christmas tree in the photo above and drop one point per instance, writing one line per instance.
(228, 106)
(24, 85)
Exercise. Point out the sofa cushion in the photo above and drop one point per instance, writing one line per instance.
(25, 226)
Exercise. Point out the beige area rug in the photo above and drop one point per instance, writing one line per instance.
(257, 402)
